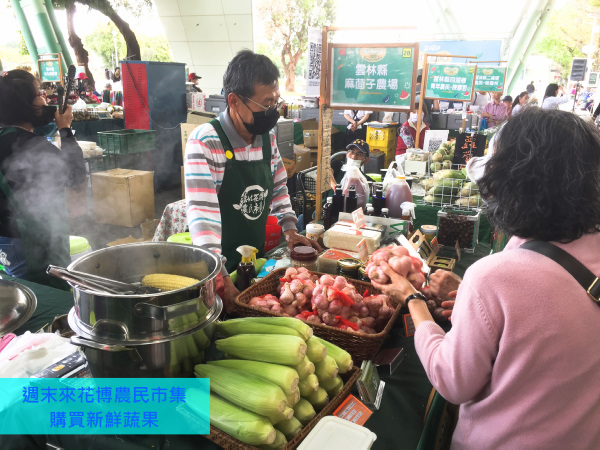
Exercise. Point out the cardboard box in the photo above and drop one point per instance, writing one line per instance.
(186, 130)
(198, 101)
(123, 197)
(148, 230)
(77, 204)
(302, 155)
(199, 117)
(310, 132)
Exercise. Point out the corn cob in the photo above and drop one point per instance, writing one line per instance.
(315, 350)
(293, 398)
(305, 368)
(279, 441)
(341, 357)
(304, 411)
(283, 376)
(308, 385)
(289, 428)
(326, 369)
(167, 281)
(332, 386)
(278, 349)
(244, 425)
(318, 399)
(296, 324)
(245, 390)
(241, 326)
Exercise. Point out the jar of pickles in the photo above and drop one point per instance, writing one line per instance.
(348, 267)
(304, 256)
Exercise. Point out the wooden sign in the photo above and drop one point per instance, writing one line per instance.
(50, 69)
(468, 145)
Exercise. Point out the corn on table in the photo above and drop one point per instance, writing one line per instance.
(398, 423)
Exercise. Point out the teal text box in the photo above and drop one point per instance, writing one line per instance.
(104, 406)
(490, 78)
(450, 82)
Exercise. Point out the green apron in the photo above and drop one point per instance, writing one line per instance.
(244, 200)
(42, 246)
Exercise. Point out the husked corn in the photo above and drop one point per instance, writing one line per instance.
(167, 281)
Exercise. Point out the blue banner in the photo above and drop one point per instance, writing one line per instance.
(482, 50)
(104, 406)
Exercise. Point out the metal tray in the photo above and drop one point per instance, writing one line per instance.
(17, 304)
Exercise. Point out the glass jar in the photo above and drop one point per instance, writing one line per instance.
(362, 274)
(304, 256)
(429, 232)
(348, 267)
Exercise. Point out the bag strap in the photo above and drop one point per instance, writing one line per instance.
(582, 274)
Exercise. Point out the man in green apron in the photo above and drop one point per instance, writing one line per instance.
(234, 175)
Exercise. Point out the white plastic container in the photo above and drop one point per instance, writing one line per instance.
(333, 433)
(79, 247)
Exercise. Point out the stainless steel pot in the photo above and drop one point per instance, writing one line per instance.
(142, 319)
(171, 358)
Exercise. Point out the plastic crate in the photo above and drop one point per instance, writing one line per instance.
(382, 136)
(456, 225)
(121, 142)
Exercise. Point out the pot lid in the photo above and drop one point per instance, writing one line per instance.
(17, 304)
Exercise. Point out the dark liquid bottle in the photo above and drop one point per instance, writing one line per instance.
(351, 200)
(328, 214)
(245, 274)
(378, 202)
(338, 204)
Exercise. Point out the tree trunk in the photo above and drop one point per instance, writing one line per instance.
(133, 47)
(81, 54)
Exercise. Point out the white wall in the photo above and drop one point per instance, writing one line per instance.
(206, 35)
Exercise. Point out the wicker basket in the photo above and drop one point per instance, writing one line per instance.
(360, 346)
(224, 440)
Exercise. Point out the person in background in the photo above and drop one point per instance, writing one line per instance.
(34, 224)
(81, 84)
(551, 98)
(108, 74)
(193, 78)
(357, 154)
(234, 173)
(520, 381)
(530, 88)
(495, 112)
(508, 101)
(106, 93)
(520, 102)
(408, 132)
(355, 129)
(89, 93)
(480, 99)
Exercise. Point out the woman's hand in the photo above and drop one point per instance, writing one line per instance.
(64, 120)
(398, 288)
(448, 305)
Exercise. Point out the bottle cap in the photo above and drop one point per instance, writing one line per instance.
(370, 209)
(248, 253)
(329, 199)
(304, 253)
(368, 205)
(401, 177)
(385, 210)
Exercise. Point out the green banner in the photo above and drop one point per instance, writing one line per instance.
(450, 82)
(490, 79)
(50, 70)
(372, 77)
(593, 81)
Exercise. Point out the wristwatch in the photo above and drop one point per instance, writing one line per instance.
(413, 296)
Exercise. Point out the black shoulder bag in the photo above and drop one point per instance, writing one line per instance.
(582, 274)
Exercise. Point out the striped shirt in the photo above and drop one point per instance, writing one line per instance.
(204, 166)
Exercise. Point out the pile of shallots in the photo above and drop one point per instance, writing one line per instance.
(328, 300)
(400, 262)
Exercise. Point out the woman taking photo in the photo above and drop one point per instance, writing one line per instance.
(34, 224)
(521, 358)
(551, 98)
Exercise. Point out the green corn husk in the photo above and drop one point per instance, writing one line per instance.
(305, 368)
(332, 386)
(290, 322)
(279, 442)
(449, 173)
(326, 369)
(341, 357)
(304, 411)
(287, 414)
(318, 399)
(469, 188)
(246, 390)
(201, 339)
(174, 368)
(315, 350)
(308, 385)
(293, 398)
(277, 349)
(239, 423)
(289, 428)
(283, 376)
(428, 183)
(242, 326)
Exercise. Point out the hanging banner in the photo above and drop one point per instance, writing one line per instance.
(490, 78)
(50, 70)
(450, 82)
(313, 69)
(372, 77)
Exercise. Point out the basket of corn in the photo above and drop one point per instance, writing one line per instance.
(276, 384)
(361, 337)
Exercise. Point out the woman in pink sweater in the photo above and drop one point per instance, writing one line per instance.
(522, 356)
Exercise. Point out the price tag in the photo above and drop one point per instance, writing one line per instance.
(363, 251)
(359, 218)
(409, 325)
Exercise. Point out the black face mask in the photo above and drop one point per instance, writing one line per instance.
(46, 116)
(263, 123)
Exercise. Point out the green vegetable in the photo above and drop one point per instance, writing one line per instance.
(304, 411)
(326, 369)
(315, 350)
(435, 166)
(242, 326)
(437, 157)
(305, 368)
(318, 399)
(474, 200)
(293, 398)
(445, 186)
(279, 442)
(332, 386)
(308, 385)
(296, 324)
(283, 376)
(341, 357)
(449, 173)
(289, 428)
(469, 189)
(246, 390)
(286, 350)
